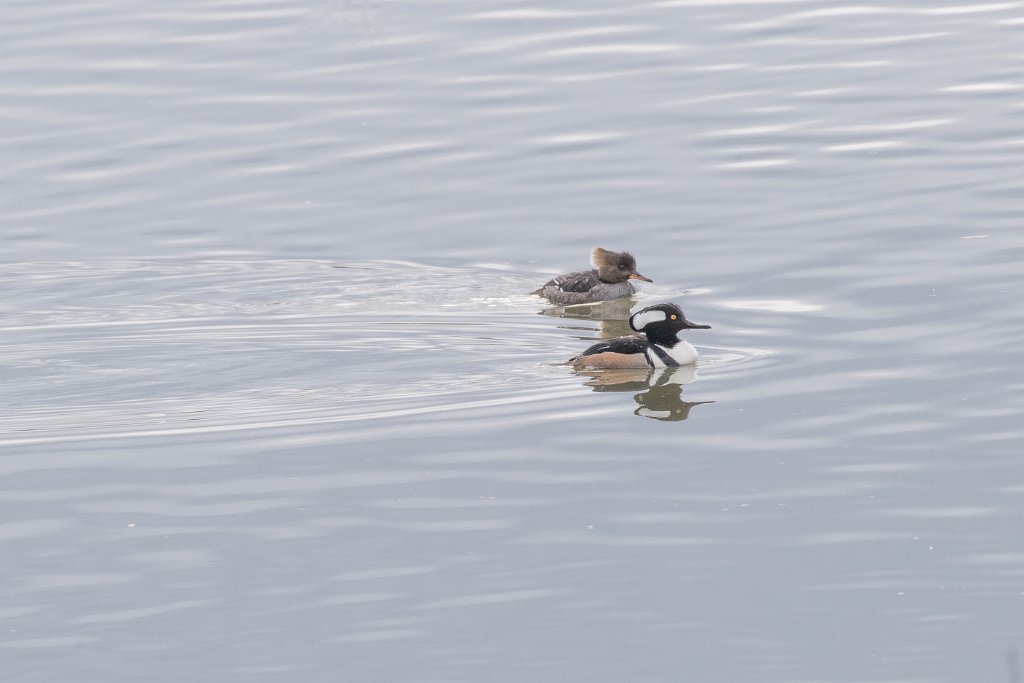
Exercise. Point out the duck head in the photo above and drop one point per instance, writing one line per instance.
(662, 323)
(615, 266)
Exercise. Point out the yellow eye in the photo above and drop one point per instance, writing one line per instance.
(673, 316)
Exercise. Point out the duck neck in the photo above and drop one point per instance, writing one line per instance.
(665, 338)
(609, 275)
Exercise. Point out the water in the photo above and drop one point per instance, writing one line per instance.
(278, 403)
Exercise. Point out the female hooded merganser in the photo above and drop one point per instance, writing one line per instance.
(608, 280)
(660, 347)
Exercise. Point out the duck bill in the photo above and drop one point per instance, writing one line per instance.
(638, 276)
(694, 326)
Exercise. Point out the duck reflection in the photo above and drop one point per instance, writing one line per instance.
(613, 316)
(659, 391)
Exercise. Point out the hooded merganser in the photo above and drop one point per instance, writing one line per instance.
(660, 346)
(609, 279)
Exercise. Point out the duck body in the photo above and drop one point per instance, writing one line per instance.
(610, 279)
(584, 287)
(659, 345)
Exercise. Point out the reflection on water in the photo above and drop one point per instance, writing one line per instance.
(612, 310)
(606, 329)
(659, 391)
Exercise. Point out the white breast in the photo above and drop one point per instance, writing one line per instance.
(683, 353)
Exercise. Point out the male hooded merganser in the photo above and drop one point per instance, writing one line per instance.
(609, 279)
(660, 346)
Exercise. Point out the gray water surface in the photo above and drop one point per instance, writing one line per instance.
(278, 404)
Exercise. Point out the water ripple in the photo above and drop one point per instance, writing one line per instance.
(224, 346)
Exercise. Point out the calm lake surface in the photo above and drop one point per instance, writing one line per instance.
(278, 406)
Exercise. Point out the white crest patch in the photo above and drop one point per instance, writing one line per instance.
(645, 318)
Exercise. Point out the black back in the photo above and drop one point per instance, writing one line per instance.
(624, 345)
